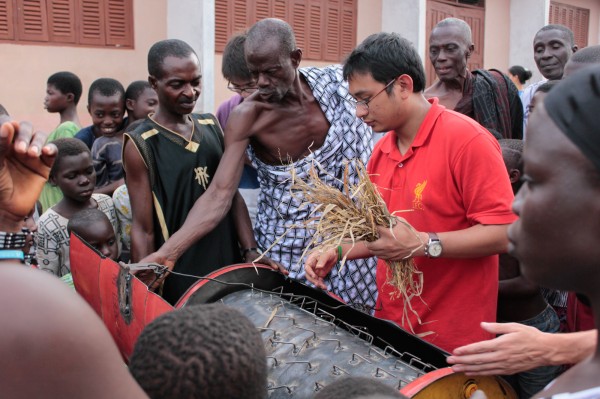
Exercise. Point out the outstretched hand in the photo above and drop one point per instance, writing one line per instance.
(518, 349)
(25, 164)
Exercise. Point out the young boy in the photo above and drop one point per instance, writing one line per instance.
(93, 226)
(107, 108)
(63, 91)
(140, 101)
(73, 172)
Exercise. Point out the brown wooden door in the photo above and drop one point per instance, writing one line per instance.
(475, 17)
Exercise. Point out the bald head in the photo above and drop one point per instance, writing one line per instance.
(460, 25)
(269, 28)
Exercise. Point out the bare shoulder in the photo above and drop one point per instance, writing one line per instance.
(243, 118)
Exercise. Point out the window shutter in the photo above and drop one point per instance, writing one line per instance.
(280, 9)
(32, 22)
(298, 23)
(315, 24)
(222, 10)
(7, 23)
(61, 21)
(575, 18)
(348, 29)
(118, 28)
(332, 38)
(91, 22)
(261, 10)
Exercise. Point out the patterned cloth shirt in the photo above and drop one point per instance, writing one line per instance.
(348, 139)
(53, 239)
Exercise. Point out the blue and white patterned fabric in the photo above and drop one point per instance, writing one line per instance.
(348, 139)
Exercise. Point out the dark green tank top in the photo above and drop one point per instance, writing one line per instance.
(180, 171)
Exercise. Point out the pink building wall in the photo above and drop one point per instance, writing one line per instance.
(23, 83)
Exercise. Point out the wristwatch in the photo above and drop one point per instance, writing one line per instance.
(433, 249)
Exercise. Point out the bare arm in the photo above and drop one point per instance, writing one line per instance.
(213, 205)
(404, 242)
(142, 206)
(475, 241)
(521, 348)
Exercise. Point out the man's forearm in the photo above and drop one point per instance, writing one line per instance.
(242, 223)
(569, 348)
(204, 216)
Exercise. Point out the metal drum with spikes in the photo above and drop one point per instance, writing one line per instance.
(312, 339)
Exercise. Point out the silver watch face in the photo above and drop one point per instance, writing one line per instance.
(434, 249)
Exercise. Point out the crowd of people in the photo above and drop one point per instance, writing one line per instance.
(508, 282)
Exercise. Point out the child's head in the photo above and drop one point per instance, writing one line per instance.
(540, 93)
(512, 153)
(106, 105)
(63, 90)
(140, 100)
(358, 387)
(210, 351)
(93, 226)
(73, 170)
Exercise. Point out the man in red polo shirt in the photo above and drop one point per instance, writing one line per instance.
(448, 172)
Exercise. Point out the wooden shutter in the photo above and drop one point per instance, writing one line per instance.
(61, 21)
(119, 31)
(325, 29)
(7, 23)
(91, 22)
(575, 18)
(32, 20)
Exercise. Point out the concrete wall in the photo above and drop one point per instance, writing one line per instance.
(497, 39)
(23, 83)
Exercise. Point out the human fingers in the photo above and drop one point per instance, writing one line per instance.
(7, 132)
(37, 139)
(502, 328)
(49, 153)
(23, 132)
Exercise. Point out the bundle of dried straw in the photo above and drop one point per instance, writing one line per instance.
(352, 215)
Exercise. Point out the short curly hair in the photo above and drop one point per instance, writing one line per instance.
(201, 351)
(357, 387)
(67, 147)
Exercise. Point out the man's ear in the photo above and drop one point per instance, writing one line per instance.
(89, 110)
(70, 97)
(152, 80)
(296, 57)
(406, 84)
(470, 50)
(574, 48)
(129, 104)
(514, 175)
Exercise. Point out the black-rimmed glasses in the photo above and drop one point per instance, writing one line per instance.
(363, 105)
(240, 90)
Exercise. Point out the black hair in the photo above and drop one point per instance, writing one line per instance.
(81, 221)
(106, 87)
(201, 351)
(3, 110)
(520, 72)
(464, 28)
(67, 82)
(163, 49)
(136, 88)
(268, 28)
(587, 55)
(547, 86)
(386, 56)
(67, 147)
(357, 387)
(234, 62)
(568, 33)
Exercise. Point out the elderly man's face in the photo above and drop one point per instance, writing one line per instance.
(448, 52)
(551, 51)
(556, 236)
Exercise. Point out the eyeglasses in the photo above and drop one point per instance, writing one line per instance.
(363, 105)
(240, 90)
